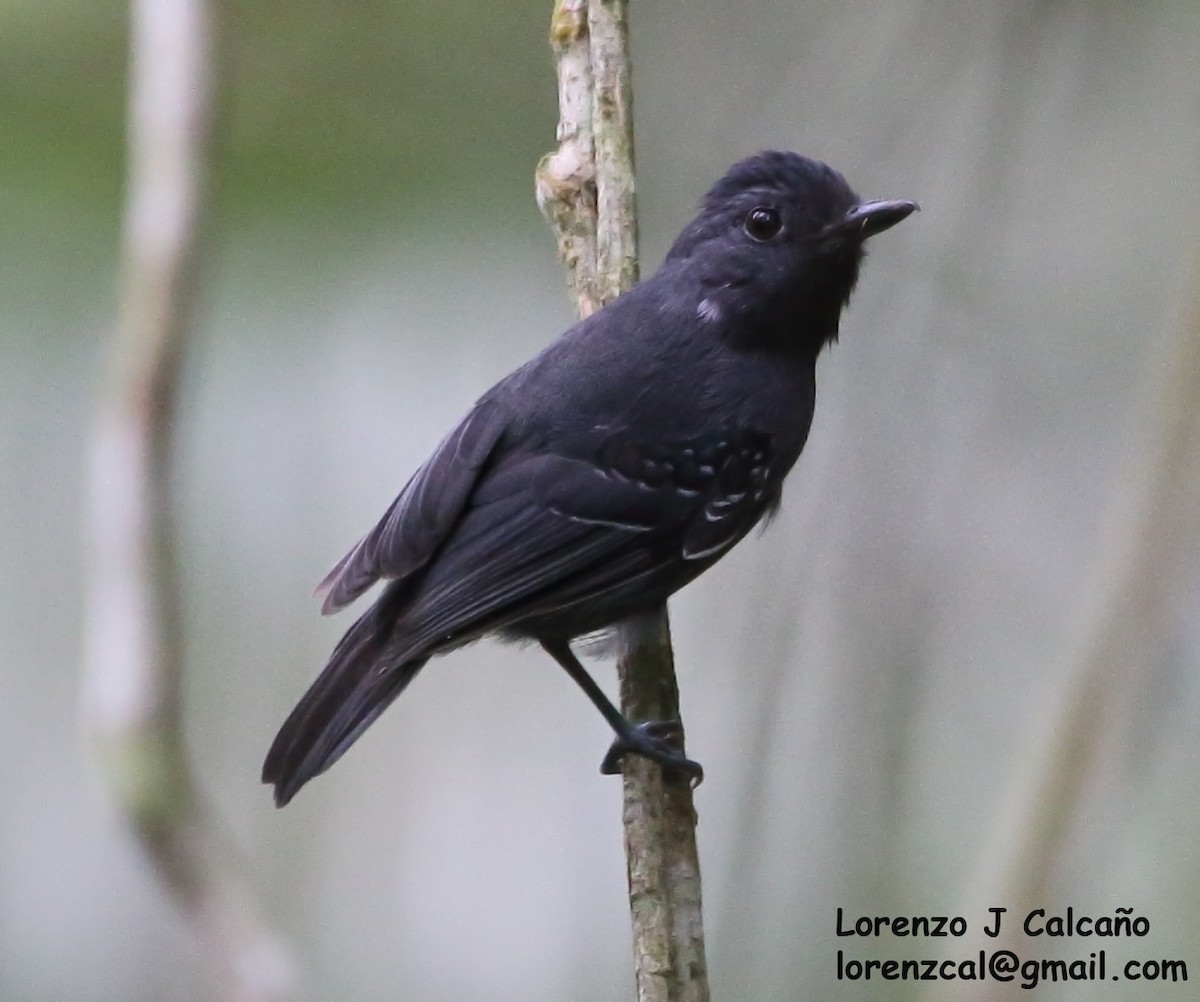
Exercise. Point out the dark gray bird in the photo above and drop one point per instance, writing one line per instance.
(611, 469)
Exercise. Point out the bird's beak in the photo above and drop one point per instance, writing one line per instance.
(869, 218)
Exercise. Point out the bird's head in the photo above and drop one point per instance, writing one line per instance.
(773, 255)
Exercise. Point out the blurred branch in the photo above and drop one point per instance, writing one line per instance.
(132, 644)
(1116, 630)
(586, 190)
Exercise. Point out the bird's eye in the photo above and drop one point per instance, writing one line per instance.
(763, 222)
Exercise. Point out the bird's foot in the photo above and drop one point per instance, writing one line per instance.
(659, 741)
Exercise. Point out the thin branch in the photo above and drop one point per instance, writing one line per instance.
(132, 644)
(1115, 628)
(612, 137)
(660, 831)
(586, 190)
(1112, 639)
(565, 181)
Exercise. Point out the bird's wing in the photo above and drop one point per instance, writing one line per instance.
(543, 531)
(419, 520)
(740, 493)
(504, 538)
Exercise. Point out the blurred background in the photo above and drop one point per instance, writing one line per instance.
(869, 686)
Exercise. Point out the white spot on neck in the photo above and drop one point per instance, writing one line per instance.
(708, 311)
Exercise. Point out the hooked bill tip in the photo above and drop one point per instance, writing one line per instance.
(869, 218)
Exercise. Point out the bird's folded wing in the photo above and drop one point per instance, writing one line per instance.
(544, 531)
(419, 520)
(735, 500)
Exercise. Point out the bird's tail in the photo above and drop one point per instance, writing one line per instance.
(359, 682)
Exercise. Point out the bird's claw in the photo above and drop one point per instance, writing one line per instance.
(659, 741)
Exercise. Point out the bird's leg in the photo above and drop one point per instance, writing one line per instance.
(657, 740)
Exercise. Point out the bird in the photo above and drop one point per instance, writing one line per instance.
(610, 470)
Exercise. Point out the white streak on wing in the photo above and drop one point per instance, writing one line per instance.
(608, 523)
(710, 550)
